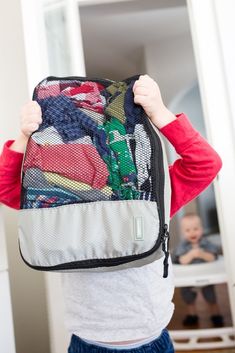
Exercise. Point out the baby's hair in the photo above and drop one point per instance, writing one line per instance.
(190, 215)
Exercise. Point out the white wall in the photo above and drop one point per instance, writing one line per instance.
(27, 286)
(171, 63)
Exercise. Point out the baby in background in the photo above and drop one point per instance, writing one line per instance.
(194, 248)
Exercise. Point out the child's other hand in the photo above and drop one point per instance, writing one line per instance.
(202, 254)
(147, 93)
(196, 253)
(30, 118)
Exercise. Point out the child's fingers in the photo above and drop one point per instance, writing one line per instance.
(141, 90)
(31, 107)
(139, 81)
(145, 78)
(30, 117)
(33, 126)
(138, 85)
(139, 99)
(27, 129)
(144, 81)
(33, 117)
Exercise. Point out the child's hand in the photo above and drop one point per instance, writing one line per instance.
(202, 254)
(30, 118)
(147, 93)
(192, 254)
(199, 253)
(196, 253)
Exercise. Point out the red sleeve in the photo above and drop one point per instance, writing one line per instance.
(190, 174)
(198, 166)
(10, 176)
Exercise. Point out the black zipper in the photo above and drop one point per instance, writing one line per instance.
(165, 248)
(105, 81)
(158, 176)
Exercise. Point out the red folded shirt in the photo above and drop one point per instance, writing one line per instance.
(78, 162)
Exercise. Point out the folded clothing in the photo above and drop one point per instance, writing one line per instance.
(67, 159)
(53, 88)
(115, 103)
(87, 95)
(48, 197)
(84, 191)
(116, 134)
(71, 122)
(92, 142)
(50, 136)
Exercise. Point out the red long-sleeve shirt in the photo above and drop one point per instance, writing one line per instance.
(190, 174)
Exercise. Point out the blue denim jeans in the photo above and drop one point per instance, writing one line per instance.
(162, 344)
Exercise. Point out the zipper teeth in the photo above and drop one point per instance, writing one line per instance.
(80, 78)
(86, 78)
(105, 81)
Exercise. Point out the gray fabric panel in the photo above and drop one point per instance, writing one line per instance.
(104, 229)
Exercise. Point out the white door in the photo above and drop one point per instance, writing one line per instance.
(7, 340)
(213, 31)
(53, 47)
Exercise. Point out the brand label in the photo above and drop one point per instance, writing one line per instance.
(138, 228)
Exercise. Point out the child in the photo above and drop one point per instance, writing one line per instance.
(195, 249)
(129, 308)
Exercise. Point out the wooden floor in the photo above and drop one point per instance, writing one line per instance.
(204, 315)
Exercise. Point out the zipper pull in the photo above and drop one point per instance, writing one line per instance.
(165, 248)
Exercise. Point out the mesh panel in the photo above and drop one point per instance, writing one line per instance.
(91, 146)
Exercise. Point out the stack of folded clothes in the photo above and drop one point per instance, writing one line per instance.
(91, 145)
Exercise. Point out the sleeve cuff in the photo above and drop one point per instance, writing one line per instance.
(10, 157)
(180, 132)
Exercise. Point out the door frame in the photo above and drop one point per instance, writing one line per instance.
(212, 28)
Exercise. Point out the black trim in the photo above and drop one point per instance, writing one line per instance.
(158, 177)
(105, 81)
(22, 189)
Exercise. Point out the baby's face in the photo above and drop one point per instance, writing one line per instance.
(192, 229)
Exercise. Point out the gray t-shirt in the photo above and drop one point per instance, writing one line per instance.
(185, 246)
(129, 304)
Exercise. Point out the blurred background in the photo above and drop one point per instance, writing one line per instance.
(187, 47)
